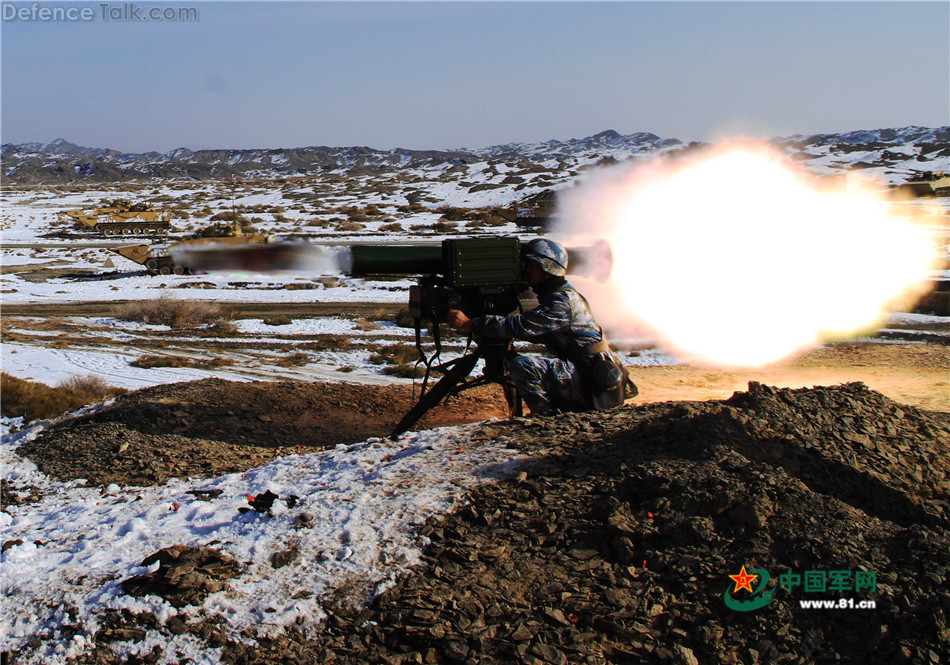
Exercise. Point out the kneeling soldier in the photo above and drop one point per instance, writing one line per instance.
(585, 374)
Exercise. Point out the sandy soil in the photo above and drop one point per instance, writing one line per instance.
(915, 374)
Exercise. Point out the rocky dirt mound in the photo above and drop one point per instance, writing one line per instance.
(214, 427)
(618, 544)
(185, 575)
(620, 539)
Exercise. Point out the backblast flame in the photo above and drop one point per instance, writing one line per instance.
(738, 258)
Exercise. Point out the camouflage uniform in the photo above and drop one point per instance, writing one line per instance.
(564, 324)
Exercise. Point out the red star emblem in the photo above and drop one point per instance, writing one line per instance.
(743, 580)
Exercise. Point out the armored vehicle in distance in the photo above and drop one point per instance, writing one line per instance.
(121, 217)
(927, 183)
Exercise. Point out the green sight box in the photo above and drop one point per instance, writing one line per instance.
(462, 262)
(481, 261)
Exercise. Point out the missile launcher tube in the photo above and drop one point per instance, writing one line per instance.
(391, 259)
(593, 261)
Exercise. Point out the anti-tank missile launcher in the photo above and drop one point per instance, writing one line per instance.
(475, 275)
(478, 276)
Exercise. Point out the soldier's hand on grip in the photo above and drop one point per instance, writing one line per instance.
(457, 319)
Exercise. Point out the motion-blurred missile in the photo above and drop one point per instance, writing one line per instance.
(275, 257)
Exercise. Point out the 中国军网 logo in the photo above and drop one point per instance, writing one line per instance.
(757, 598)
(748, 593)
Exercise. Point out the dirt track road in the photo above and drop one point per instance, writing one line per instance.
(915, 374)
(241, 310)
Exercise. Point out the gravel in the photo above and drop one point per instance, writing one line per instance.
(616, 542)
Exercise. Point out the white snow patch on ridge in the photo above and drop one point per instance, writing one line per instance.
(366, 503)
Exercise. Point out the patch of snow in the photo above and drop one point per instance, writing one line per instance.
(366, 503)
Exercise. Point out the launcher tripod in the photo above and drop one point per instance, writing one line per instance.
(496, 354)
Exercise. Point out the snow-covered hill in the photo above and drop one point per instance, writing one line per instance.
(900, 152)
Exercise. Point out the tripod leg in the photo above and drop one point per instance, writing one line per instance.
(512, 396)
(515, 404)
(460, 369)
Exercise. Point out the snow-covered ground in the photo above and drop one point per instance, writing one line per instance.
(86, 270)
(69, 551)
(365, 502)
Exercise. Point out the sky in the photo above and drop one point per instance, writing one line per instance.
(439, 75)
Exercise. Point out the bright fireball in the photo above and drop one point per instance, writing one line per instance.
(738, 258)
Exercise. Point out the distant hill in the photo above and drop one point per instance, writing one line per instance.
(900, 151)
(61, 161)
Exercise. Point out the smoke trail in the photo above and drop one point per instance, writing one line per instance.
(736, 257)
(278, 258)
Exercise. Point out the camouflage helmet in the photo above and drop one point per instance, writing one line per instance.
(551, 256)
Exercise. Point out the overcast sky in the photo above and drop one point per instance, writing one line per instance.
(467, 74)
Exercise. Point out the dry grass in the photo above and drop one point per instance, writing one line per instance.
(212, 363)
(366, 324)
(33, 400)
(406, 371)
(453, 214)
(401, 318)
(174, 313)
(150, 360)
(294, 360)
(380, 314)
(400, 360)
(350, 226)
(89, 384)
(328, 343)
(399, 353)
